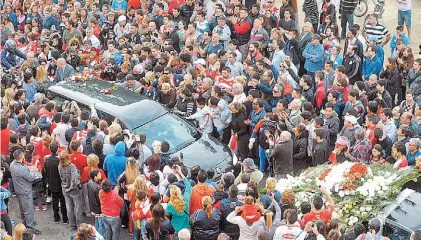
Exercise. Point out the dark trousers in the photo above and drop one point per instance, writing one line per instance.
(58, 197)
(7, 223)
(38, 192)
(242, 146)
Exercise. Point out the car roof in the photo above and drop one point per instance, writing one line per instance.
(406, 210)
(130, 107)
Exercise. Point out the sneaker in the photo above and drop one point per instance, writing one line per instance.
(56, 220)
(36, 231)
(49, 199)
(88, 215)
(73, 228)
(44, 207)
(36, 208)
(65, 221)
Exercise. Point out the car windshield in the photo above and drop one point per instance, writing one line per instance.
(170, 128)
(407, 213)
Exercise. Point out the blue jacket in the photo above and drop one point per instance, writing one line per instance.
(4, 193)
(115, 164)
(49, 22)
(31, 90)
(8, 58)
(255, 117)
(13, 19)
(314, 57)
(338, 60)
(371, 66)
(393, 41)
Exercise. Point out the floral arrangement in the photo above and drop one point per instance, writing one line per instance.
(360, 191)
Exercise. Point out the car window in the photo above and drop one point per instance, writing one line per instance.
(171, 128)
(395, 232)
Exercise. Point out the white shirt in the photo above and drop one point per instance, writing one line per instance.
(94, 41)
(240, 98)
(404, 5)
(59, 134)
(202, 115)
(289, 232)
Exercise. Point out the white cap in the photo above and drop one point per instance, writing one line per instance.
(351, 119)
(200, 61)
(122, 18)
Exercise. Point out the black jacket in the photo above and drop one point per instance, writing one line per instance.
(187, 12)
(165, 230)
(238, 125)
(352, 68)
(51, 173)
(204, 227)
(394, 81)
(300, 146)
(93, 193)
(320, 153)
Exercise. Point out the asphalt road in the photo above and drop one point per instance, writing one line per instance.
(49, 229)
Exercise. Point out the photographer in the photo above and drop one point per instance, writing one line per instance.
(109, 73)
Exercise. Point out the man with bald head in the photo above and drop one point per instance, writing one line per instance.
(64, 71)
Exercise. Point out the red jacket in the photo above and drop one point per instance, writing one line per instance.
(320, 94)
(111, 203)
(79, 160)
(5, 138)
(198, 192)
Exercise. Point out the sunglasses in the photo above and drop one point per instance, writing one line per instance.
(166, 73)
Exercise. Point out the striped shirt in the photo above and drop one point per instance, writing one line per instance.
(348, 6)
(379, 31)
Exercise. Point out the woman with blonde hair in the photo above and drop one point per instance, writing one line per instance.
(18, 231)
(9, 95)
(71, 187)
(205, 222)
(178, 206)
(270, 190)
(125, 182)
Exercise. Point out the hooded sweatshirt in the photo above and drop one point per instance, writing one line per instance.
(70, 179)
(199, 191)
(115, 164)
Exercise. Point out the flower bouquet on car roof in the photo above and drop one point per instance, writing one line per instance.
(360, 191)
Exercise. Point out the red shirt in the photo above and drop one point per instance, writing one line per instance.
(86, 174)
(79, 160)
(5, 139)
(324, 215)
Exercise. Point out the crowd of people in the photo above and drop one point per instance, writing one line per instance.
(283, 97)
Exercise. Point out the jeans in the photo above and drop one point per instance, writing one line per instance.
(346, 18)
(85, 197)
(112, 227)
(404, 17)
(137, 232)
(59, 197)
(74, 208)
(26, 206)
(263, 156)
(99, 225)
